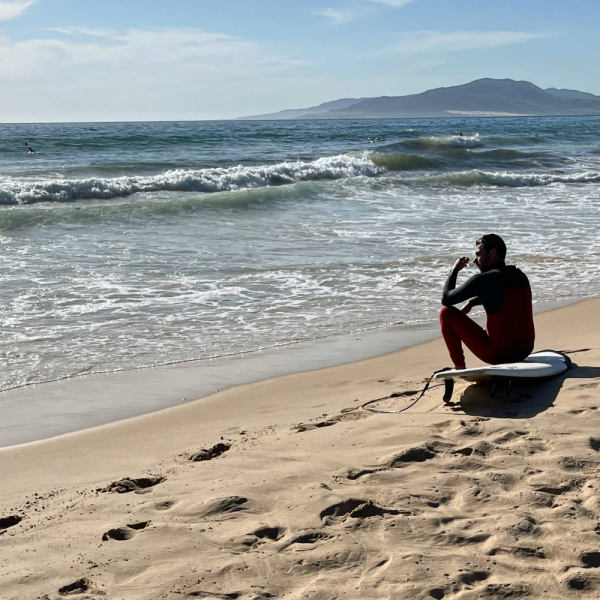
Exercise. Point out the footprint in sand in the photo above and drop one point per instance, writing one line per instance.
(164, 505)
(509, 436)
(356, 509)
(411, 455)
(577, 583)
(420, 454)
(262, 535)
(354, 474)
(124, 533)
(591, 559)
(520, 525)
(467, 451)
(223, 506)
(210, 453)
(518, 551)
(556, 490)
(464, 579)
(129, 484)
(77, 587)
(473, 577)
(427, 451)
(217, 596)
(309, 538)
(449, 538)
(7, 522)
(572, 463)
(582, 411)
(351, 416)
(481, 449)
(269, 533)
(504, 591)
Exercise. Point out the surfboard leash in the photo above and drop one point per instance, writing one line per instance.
(421, 393)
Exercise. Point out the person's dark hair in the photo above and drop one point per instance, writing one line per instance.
(491, 241)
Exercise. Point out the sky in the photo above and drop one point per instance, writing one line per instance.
(136, 60)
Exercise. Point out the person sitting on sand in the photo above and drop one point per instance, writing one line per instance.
(505, 294)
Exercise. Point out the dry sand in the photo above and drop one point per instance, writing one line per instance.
(485, 499)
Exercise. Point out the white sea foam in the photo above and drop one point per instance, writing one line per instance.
(451, 141)
(13, 191)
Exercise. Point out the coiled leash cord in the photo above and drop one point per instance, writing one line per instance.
(366, 405)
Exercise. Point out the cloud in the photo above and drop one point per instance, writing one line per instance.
(145, 54)
(338, 17)
(101, 33)
(82, 74)
(12, 10)
(393, 3)
(425, 42)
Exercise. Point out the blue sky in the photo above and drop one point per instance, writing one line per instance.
(90, 60)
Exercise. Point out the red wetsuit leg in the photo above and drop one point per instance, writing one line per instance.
(458, 328)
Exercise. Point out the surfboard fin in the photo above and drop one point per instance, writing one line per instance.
(495, 382)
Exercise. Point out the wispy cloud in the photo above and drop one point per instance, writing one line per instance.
(12, 10)
(106, 33)
(138, 73)
(338, 17)
(425, 42)
(393, 3)
(142, 52)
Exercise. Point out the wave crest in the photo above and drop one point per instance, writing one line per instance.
(209, 180)
(452, 141)
(510, 179)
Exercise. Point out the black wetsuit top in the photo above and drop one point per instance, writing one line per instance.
(485, 288)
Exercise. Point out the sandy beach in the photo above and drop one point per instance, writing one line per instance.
(292, 496)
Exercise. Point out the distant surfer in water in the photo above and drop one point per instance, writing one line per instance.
(505, 293)
(30, 150)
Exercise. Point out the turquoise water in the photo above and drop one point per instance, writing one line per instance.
(135, 244)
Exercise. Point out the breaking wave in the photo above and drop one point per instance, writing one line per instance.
(452, 158)
(509, 179)
(208, 180)
(452, 141)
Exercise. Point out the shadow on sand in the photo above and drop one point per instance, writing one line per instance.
(527, 398)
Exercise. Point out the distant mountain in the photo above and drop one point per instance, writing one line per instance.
(573, 94)
(304, 112)
(483, 97)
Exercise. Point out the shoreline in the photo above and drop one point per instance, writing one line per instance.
(37, 412)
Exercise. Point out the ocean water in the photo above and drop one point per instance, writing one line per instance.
(136, 244)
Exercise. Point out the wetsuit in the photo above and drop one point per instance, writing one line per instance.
(505, 294)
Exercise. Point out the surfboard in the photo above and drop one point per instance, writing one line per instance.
(539, 364)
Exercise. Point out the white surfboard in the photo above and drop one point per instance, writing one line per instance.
(538, 364)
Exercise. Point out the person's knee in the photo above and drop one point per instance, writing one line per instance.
(446, 312)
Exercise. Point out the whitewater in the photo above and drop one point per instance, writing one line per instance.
(135, 244)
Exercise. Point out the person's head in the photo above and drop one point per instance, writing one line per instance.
(489, 250)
